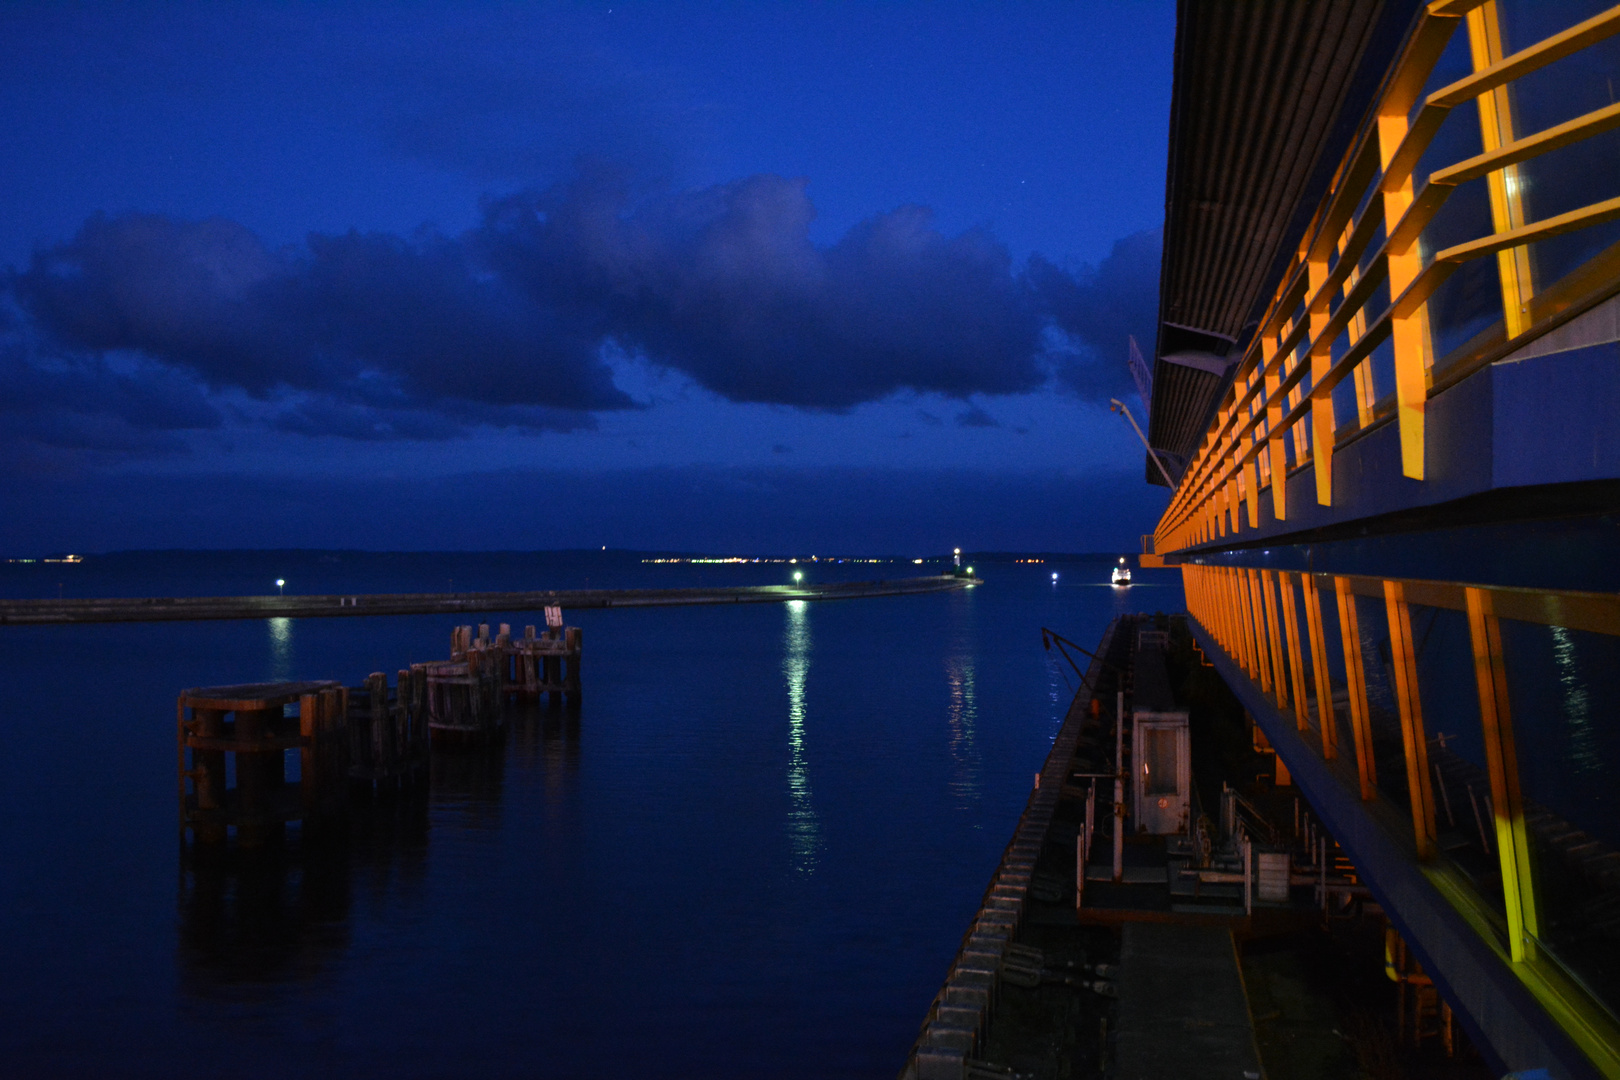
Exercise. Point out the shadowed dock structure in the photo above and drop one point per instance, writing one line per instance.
(181, 608)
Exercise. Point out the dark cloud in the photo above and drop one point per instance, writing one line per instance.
(375, 337)
(976, 417)
(376, 322)
(84, 403)
(724, 285)
(1098, 308)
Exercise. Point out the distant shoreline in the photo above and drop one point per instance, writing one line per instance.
(198, 608)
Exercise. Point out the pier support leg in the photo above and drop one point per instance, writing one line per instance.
(208, 774)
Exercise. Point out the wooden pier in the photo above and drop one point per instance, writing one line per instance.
(184, 608)
(249, 723)
(467, 695)
(365, 740)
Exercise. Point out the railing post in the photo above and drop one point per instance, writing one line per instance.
(1296, 669)
(1501, 760)
(1245, 616)
(1415, 739)
(1409, 334)
(1223, 588)
(1496, 124)
(1326, 718)
(1356, 676)
(1257, 613)
(1321, 404)
(1279, 680)
(1275, 443)
(1251, 474)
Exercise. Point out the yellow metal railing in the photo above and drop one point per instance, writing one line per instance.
(1275, 391)
(1254, 615)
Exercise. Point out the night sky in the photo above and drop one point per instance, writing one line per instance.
(844, 278)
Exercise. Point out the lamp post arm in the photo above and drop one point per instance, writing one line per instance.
(1114, 404)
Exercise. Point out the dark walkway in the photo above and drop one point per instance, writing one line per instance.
(1182, 1009)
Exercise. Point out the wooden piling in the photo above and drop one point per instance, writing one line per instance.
(259, 736)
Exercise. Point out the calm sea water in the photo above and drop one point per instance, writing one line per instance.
(754, 853)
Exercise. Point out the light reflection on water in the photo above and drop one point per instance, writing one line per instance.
(1583, 748)
(280, 649)
(962, 715)
(803, 826)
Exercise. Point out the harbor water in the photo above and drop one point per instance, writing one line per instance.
(752, 852)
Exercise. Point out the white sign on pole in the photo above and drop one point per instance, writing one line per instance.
(554, 618)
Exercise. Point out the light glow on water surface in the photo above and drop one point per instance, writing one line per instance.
(803, 826)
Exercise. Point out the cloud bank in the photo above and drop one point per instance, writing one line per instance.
(141, 327)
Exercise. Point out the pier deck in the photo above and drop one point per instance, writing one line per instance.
(182, 608)
(1183, 1010)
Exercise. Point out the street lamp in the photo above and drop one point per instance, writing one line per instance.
(279, 583)
(798, 575)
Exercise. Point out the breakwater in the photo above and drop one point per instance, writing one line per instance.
(183, 608)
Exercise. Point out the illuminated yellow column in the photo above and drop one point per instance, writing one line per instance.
(1409, 334)
(1279, 679)
(1257, 616)
(1507, 197)
(1325, 718)
(1245, 625)
(1356, 678)
(1296, 670)
(1251, 467)
(1321, 402)
(1275, 441)
(1413, 735)
(1501, 760)
(1358, 326)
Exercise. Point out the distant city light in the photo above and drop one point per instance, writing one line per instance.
(1054, 576)
(704, 559)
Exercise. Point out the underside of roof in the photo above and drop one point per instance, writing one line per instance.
(1268, 96)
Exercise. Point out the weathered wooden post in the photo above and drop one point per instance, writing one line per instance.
(404, 743)
(574, 639)
(311, 716)
(419, 717)
(258, 774)
(334, 756)
(208, 776)
(382, 734)
(359, 738)
(475, 689)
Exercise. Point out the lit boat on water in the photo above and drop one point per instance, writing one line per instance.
(1122, 574)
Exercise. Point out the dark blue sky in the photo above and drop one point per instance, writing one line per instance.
(635, 265)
